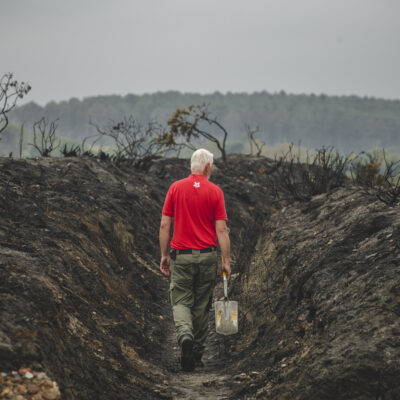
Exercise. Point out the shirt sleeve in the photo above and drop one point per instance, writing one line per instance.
(220, 211)
(168, 209)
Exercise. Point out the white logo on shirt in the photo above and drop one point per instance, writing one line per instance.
(196, 184)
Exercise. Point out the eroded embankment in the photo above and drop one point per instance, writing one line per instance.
(320, 302)
(81, 297)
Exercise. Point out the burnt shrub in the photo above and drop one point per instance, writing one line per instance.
(299, 178)
(378, 176)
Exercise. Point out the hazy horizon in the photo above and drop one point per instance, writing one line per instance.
(27, 100)
(90, 48)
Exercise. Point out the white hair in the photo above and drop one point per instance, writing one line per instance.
(200, 158)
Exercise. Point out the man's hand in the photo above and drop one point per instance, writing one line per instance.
(164, 265)
(226, 267)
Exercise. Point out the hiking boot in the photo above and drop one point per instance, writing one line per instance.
(187, 358)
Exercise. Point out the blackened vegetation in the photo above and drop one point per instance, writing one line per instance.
(11, 91)
(133, 141)
(378, 176)
(300, 180)
(45, 140)
(139, 143)
(71, 151)
(300, 177)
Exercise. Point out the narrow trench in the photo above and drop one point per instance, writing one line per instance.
(213, 381)
(208, 382)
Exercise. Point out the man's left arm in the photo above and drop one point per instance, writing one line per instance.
(165, 228)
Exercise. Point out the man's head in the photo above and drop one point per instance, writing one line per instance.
(202, 162)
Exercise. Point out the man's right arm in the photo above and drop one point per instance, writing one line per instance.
(165, 228)
(225, 245)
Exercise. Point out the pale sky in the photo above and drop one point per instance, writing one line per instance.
(81, 48)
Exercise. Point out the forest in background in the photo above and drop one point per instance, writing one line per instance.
(347, 123)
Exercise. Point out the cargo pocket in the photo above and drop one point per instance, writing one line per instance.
(209, 268)
(181, 295)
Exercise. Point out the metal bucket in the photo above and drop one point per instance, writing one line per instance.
(226, 314)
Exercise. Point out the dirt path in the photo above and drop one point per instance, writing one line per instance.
(208, 382)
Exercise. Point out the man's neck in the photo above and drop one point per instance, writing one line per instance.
(199, 173)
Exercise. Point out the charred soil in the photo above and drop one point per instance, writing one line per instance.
(82, 298)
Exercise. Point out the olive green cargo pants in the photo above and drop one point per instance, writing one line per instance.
(193, 278)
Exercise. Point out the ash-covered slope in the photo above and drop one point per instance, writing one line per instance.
(82, 299)
(321, 302)
(81, 296)
(79, 293)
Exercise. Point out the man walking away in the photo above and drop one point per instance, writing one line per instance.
(197, 207)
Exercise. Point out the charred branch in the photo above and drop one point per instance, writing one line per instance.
(44, 137)
(10, 92)
(256, 147)
(134, 141)
(191, 122)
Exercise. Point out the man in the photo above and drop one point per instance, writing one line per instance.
(198, 209)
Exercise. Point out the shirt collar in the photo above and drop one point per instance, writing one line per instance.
(198, 176)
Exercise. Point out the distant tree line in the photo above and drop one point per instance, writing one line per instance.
(293, 176)
(346, 123)
(297, 177)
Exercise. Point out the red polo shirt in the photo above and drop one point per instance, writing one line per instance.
(195, 204)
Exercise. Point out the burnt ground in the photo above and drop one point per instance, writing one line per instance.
(321, 301)
(81, 296)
